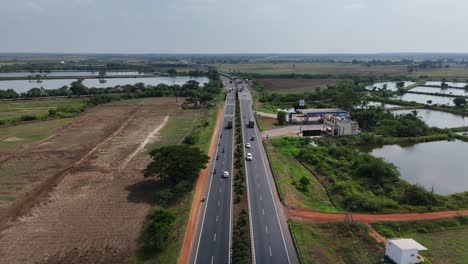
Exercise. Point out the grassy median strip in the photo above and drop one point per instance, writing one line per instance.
(241, 248)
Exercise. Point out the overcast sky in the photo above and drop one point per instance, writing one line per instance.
(234, 26)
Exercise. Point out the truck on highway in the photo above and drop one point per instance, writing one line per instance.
(251, 123)
(229, 123)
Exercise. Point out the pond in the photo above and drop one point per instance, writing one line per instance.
(66, 73)
(24, 85)
(437, 118)
(391, 86)
(423, 98)
(452, 84)
(440, 164)
(450, 91)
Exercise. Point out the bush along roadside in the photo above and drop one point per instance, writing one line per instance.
(241, 248)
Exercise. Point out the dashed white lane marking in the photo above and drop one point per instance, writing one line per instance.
(212, 259)
(263, 211)
(266, 229)
(219, 189)
(217, 218)
(270, 252)
(218, 203)
(214, 238)
(261, 197)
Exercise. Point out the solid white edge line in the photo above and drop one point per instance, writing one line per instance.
(209, 188)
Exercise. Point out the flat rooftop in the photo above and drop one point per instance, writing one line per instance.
(407, 243)
(323, 111)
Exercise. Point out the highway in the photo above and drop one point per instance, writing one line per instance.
(215, 230)
(271, 240)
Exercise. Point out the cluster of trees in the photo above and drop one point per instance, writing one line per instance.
(345, 95)
(362, 181)
(195, 92)
(175, 167)
(382, 122)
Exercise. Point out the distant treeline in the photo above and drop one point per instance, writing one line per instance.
(191, 89)
(46, 67)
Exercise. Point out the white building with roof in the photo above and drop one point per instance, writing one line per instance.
(404, 251)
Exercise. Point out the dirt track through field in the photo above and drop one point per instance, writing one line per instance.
(369, 218)
(95, 212)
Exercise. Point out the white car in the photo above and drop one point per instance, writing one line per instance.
(226, 174)
(248, 145)
(249, 156)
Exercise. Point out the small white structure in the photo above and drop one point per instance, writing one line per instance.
(404, 251)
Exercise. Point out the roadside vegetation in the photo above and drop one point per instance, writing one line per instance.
(444, 238)
(362, 182)
(335, 243)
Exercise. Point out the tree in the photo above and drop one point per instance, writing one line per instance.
(78, 88)
(304, 183)
(347, 99)
(459, 101)
(157, 229)
(174, 164)
(281, 117)
(172, 72)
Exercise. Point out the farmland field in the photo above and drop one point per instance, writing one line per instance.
(295, 85)
(81, 193)
(14, 136)
(333, 69)
(39, 106)
(454, 73)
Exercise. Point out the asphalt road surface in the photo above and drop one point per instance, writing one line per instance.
(271, 239)
(214, 238)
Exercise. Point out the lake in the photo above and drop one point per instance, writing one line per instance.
(422, 99)
(24, 85)
(450, 91)
(66, 73)
(391, 86)
(440, 164)
(453, 84)
(437, 118)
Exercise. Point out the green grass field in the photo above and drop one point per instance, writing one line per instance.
(41, 106)
(454, 73)
(287, 171)
(180, 125)
(335, 243)
(312, 68)
(14, 136)
(446, 239)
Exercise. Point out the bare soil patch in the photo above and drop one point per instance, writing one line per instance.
(296, 84)
(93, 211)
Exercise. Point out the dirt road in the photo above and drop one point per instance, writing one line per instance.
(93, 213)
(369, 218)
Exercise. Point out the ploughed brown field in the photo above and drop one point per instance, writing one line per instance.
(295, 85)
(79, 195)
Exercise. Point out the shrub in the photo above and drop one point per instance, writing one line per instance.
(157, 229)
